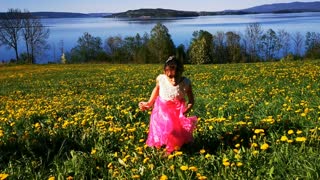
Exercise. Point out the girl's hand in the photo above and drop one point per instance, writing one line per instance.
(144, 106)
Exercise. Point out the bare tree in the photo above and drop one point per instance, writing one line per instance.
(253, 34)
(233, 47)
(10, 27)
(284, 39)
(297, 43)
(35, 36)
(270, 45)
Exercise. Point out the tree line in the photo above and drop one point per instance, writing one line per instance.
(253, 45)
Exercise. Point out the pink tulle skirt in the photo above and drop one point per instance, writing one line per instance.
(169, 126)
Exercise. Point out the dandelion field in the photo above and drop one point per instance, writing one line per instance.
(256, 121)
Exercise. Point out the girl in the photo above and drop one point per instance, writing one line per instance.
(169, 125)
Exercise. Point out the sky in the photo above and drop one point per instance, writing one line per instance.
(113, 6)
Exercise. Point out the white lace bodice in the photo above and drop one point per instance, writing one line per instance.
(168, 91)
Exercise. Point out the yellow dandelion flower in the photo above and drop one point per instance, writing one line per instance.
(239, 164)
(264, 146)
(290, 132)
(184, 168)
(284, 138)
(254, 145)
(193, 168)
(163, 177)
(290, 141)
(258, 131)
(237, 156)
(145, 160)
(172, 167)
(255, 152)
(50, 178)
(69, 178)
(202, 178)
(3, 176)
(299, 132)
(254, 137)
(178, 153)
(93, 151)
(136, 176)
(237, 145)
(202, 151)
(226, 163)
(207, 156)
(301, 139)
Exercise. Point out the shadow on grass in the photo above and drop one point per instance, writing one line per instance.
(46, 148)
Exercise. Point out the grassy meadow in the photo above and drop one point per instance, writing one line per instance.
(256, 121)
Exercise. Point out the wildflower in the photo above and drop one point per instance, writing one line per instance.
(110, 165)
(264, 146)
(290, 141)
(255, 152)
(136, 176)
(239, 164)
(172, 167)
(69, 178)
(284, 138)
(171, 156)
(254, 145)
(202, 151)
(184, 168)
(258, 131)
(93, 151)
(299, 132)
(254, 137)
(193, 168)
(3, 176)
(178, 153)
(50, 178)
(145, 160)
(237, 145)
(237, 156)
(301, 139)
(163, 177)
(202, 177)
(226, 163)
(207, 156)
(290, 132)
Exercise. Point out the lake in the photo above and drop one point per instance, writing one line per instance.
(69, 30)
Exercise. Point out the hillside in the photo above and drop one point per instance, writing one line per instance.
(285, 7)
(154, 13)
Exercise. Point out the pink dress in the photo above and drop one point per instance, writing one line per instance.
(168, 125)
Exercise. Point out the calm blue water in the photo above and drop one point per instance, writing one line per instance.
(69, 30)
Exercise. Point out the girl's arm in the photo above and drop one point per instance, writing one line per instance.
(190, 99)
(154, 95)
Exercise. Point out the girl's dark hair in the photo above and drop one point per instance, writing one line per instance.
(173, 63)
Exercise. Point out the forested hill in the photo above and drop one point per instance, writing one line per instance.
(63, 14)
(154, 13)
(285, 7)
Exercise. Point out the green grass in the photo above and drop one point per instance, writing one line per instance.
(256, 121)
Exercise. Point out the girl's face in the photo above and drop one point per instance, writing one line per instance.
(170, 71)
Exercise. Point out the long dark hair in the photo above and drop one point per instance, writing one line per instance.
(173, 63)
